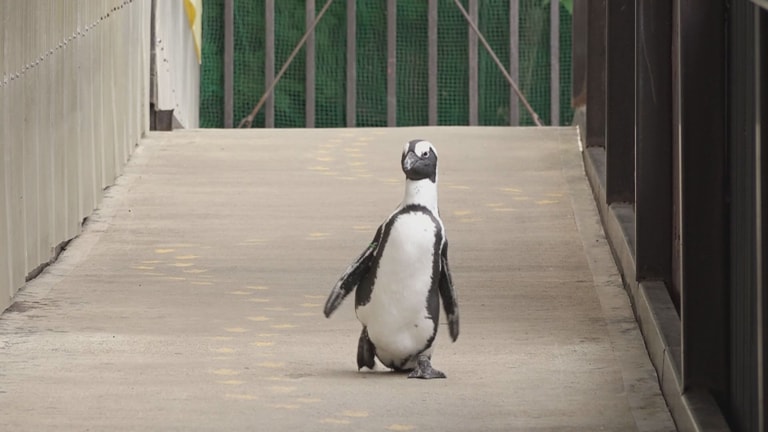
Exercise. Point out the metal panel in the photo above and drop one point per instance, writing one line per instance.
(653, 141)
(85, 81)
(743, 227)
(309, 51)
(704, 253)
(620, 118)
(596, 45)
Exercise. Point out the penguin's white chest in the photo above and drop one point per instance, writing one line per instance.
(396, 316)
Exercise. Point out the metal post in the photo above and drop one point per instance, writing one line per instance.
(432, 61)
(653, 141)
(472, 64)
(269, 61)
(351, 63)
(554, 62)
(309, 101)
(229, 62)
(514, 60)
(391, 63)
(596, 74)
(620, 95)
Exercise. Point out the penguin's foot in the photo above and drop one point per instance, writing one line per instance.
(424, 369)
(365, 351)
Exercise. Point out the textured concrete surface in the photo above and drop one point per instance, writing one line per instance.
(192, 301)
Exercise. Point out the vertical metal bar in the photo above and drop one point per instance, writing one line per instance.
(554, 62)
(761, 90)
(514, 60)
(704, 301)
(472, 65)
(269, 61)
(432, 61)
(351, 63)
(391, 63)
(309, 50)
(620, 96)
(596, 73)
(653, 141)
(229, 62)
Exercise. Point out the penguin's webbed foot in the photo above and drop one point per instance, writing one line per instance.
(365, 351)
(424, 369)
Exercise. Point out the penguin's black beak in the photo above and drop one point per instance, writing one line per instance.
(420, 167)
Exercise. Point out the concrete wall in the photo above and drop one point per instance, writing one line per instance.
(74, 89)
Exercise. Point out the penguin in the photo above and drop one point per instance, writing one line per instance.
(400, 278)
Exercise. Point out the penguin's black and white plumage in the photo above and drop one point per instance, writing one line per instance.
(402, 275)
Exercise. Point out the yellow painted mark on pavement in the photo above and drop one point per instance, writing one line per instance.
(400, 427)
(236, 330)
(276, 309)
(329, 420)
(284, 406)
(504, 209)
(314, 296)
(258, 300)
(241, 396)
(350, 413)
(365, 228)
(283, 326)
(282, 389)
(308, 400)
(462, 212)
(556, 194)
(240, 292)
(195, 271)
(460, 187)
(231, 382)
(310, 305)
(187, 257)
(511, 190)
(176, 278)
(257, 287)
(318, 168)
(164, 251)
(258, 318)
(545, 202)
(496, 204)
(262, 344)
(151, 262)
(226, 372)
(201, 283)
(182, 264)
(324, 158)
(318, 235)
(266, 334)
(271, 365)
(143, 267)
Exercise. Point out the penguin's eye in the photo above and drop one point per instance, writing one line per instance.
(425, 154)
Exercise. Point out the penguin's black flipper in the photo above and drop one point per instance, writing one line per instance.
(351, 277)
(365, 351)
(448, 294)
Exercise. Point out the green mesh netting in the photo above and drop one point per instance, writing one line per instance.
(371, 61)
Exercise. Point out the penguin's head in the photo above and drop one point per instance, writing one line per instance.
(419, 160)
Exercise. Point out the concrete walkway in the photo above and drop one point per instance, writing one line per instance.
(192, 301)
